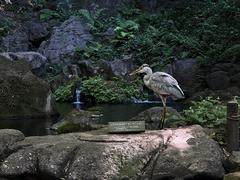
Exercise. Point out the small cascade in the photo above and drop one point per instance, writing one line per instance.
(77, 102)
(139, 101)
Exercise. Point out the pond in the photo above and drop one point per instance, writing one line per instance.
(115, 112)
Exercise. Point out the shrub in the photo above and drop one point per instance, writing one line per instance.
(115, 91)
(211, 113)
(208, 112)
(65, 93)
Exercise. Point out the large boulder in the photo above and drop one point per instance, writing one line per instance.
(8, 139)
(185, 71)
(152, 118)
(232, 162)
(22, 94)
(218, 80)
(232, 176)
(25, 38)
(15, 41)
(185, 153)
(37, 61)
(77, 121)
(119, 68)
(61, 47)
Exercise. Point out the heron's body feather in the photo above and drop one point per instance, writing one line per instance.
(163, 84)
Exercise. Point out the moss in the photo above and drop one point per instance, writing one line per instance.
(68, 127)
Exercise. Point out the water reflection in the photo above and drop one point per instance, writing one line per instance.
(30, 127)
(118, 112)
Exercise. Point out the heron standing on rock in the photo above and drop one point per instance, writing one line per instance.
(162, 84)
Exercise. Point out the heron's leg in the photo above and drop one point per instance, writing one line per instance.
(163, 113)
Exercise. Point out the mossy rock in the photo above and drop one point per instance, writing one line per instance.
(77, 121)
(152, 117)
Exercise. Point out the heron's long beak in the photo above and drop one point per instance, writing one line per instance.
(134, 72)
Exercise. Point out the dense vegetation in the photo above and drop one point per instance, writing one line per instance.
(208, 112)
(207, 30)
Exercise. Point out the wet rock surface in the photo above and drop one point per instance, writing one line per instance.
(184, 153)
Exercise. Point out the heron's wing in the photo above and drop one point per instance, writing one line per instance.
(164, 82)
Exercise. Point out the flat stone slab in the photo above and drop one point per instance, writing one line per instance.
(126, 126)
(182, 153)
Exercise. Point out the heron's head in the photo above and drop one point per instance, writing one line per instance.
(142, 69)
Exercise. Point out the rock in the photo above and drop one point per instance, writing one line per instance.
(69, 73)
(119, 68)
(225, 94)
(218, 80)
(22, 94)
(232, 163)
(87, 68)
(17, 41)
(25, 38)
(152, 118)
(37, 31)
(8, 138)
(185, 72)
(184, 153)
(222, 67)
(232, 176)
(60, 48)
(70, 70)
(37, 61)
(235, 79)
(77, 121)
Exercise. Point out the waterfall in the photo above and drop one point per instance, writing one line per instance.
(77, 102)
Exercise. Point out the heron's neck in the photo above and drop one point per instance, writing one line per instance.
(147, 75)
(148, 71)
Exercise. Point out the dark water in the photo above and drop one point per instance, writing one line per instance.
(118, 112)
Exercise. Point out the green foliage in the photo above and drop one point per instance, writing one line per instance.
(65, 93)
(125, 30)
(208, 112)
(93, 18)
(95, 51)
(206, 30)
(47, 14)
(6, 24)
(115, 91)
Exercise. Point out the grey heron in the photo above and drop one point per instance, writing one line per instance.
(162, 84)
